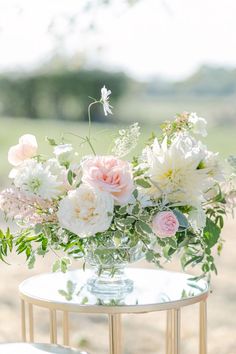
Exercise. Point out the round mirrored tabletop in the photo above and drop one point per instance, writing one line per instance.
(35, 348)
(154, 290)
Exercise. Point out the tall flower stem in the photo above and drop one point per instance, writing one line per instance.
(89, 117)
(88, 138)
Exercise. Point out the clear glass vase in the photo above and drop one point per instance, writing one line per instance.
(108, 263)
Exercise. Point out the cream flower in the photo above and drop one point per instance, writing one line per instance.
(26, 149)
(86, 211)
(105, 100)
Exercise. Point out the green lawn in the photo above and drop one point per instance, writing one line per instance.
(222, 139)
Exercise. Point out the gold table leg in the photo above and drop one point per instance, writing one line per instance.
(66, 339)
(173, 332)
(176, 331)
(31, 323)
(115, 334)
(203, 327)
(23, 322)
(169, 332)
(53, 327)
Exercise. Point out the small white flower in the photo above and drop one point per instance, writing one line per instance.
(198, 124)
(35, 178)
(59, 171)
(86, 211)
(105, 100)
(63, 152)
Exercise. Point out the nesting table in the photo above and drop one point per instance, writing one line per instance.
(154, 290)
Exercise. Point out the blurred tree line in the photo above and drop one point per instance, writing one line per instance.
(61, 95)
(207, 80)
(64, 93)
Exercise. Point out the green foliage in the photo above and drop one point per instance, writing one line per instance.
(69, 292)
(211, 233)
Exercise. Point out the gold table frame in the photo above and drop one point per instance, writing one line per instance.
(173, 319)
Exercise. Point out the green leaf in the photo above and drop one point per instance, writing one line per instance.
(172, 242)
(122, 210)
(31, 261)
(44, 244)
(65, 262)
(142, 227)
(136, 209)
(149, 256)
(56, 265)
(183, 222)
(38, 229)
(143, 183)
(129, 220)
(70, 177)
(51, 141)
(211, 233)
(84, 300)
(135, 193)
(194, 260)
(71, 286)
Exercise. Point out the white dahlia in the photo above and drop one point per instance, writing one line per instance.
(174, 170)
(86, 211)
(35, 178)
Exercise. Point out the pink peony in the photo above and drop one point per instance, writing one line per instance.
(26, 149)
(109, 174)
(165, 224)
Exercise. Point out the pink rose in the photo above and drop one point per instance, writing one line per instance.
(109, 174)
(26, 149)
(165, 224)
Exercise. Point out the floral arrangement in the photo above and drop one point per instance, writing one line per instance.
(172, 199)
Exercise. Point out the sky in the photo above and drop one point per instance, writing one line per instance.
(154, 38)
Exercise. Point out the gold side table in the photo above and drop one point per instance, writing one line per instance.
(154, 290)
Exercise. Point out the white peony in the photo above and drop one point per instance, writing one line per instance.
(173, 170)
(35, 178)
(198, 124)
(86, 211)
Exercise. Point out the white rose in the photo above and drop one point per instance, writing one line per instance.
(86, 211)
(198, 124)
(64, 153)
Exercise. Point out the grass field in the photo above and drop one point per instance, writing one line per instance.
(222, 139)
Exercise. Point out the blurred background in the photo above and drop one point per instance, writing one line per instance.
(159, 58)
